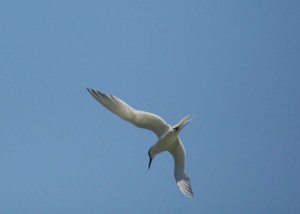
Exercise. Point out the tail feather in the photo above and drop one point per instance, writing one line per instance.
(179, 126)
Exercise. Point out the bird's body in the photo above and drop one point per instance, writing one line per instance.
(165, 142)
(168, 136)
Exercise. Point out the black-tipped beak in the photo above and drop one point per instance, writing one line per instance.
(150, 158)
(150, 161)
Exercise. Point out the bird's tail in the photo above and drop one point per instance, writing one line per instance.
(179, 126)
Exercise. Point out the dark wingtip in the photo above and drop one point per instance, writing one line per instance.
(89, 90)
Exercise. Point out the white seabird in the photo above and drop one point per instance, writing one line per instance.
(168, 139)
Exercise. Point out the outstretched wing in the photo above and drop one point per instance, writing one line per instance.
(141, 119)
(182, 180)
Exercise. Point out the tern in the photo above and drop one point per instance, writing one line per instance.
(168, 136)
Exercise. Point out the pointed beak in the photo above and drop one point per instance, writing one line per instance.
(150, 161)
(150, 158)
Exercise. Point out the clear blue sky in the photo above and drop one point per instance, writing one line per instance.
(234, 65)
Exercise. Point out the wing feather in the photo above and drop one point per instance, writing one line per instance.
(140, 119)
(182, 180)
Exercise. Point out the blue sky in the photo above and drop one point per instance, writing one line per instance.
(233, 65)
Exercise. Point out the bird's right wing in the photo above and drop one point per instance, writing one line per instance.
(182, 180)
(139, 118)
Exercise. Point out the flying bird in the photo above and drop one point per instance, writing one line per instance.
(168, 136)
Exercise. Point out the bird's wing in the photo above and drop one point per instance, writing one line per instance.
(139, 118)
(182, 180)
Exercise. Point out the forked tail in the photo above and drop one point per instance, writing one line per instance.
(179, 126)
